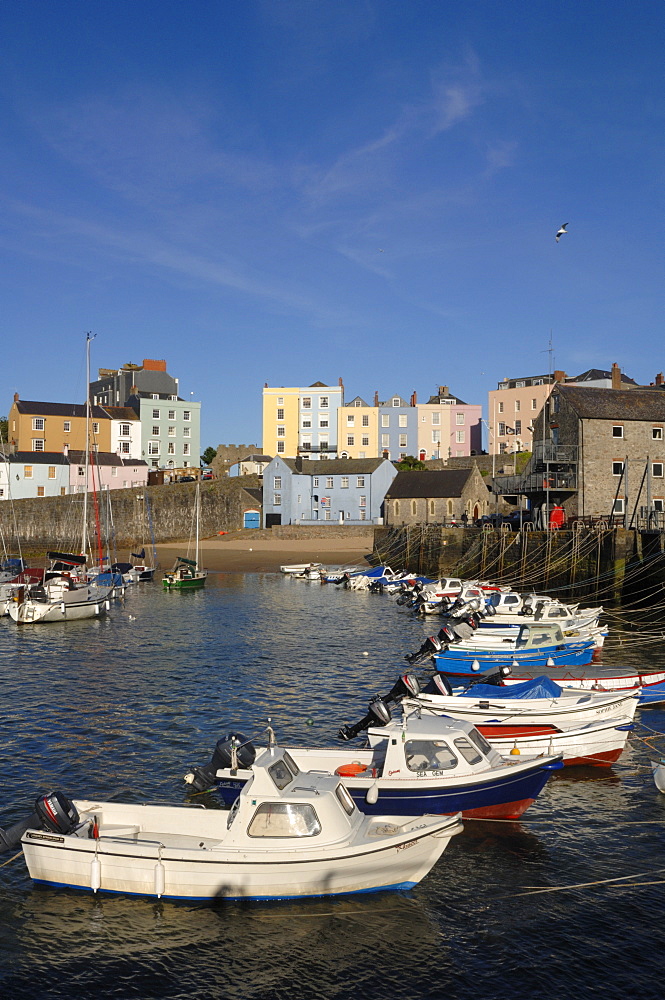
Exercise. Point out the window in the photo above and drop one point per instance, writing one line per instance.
(618, 506)
(350, 420)
(280, 401)
(281, 432)
(459, 437)
(518, 426)
(468, 751)
(350, 440)
(27, 472)
(306, 422)
(277, 483)
(155, 414)
(38, 423)
(365, 419)
(436, 437)
(345, 482)
(617, 431)
(277, 500)
(38, 444)
(323, 445)
(63, 491)
(171, 448)
(171, 416)
(155, 430)
(436, 420)
(185, 449)
(518, 406)
(534, 404)
(327, 515)
(307, 402)
(429, 755)
(396, 506)
(360, 483)
(95, 427)
(402, 441)
(186, 431)
(502, 428)
(396, 401)
(67, 426)
(617, 468)
(324, 403)
(284, 819)
(657, 470)
(40, 491)
(172, 430)
(459, 418)
(51, 471)
(365, 441)
(431, 507)
(402, 420)
(81, 471)
(414, 507)
(124, 447)
(501, 406)
(362, 501)
(280, 447)
(385, 440)
(280, 413)
(323, 423)
(186, 414)
(124, 430)
(347, 802)
(657, 433)
(519, 385)
(153, 447)
(659, 505)
(329, 482)
(155, 395)
(114, 470)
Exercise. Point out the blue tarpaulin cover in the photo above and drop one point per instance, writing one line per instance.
(539, 687)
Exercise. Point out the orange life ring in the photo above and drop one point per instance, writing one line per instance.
(350, 770)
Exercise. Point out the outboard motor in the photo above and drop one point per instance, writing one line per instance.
(378, 715)
(406, 686)
(447, 634)
(202, 778)
(496, 678)
(430, 646)
(438, 684)
(53, 812)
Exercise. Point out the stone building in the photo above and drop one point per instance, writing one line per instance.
(437, 497)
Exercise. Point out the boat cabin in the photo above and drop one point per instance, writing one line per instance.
(533, 636)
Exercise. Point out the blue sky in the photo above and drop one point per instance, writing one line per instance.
(293, 191)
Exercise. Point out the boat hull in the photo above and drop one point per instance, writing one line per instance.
(128, 864)
(462, 663)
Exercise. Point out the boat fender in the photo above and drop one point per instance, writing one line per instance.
(95, 874)
(515, 752)
(160, 879)
(372, 794)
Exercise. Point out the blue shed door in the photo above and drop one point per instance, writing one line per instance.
(252, 519)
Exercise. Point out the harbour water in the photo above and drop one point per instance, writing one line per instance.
(568, 902)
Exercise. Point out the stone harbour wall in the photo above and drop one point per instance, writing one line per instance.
(56, 522)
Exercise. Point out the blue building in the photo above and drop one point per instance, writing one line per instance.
(398, 428)
(339, 491)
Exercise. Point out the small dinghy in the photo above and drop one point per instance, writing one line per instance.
(290, 834)
(658, 767)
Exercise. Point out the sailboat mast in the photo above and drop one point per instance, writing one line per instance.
(84, 538)
(198, 509)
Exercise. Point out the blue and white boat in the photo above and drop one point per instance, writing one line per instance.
(423, 763)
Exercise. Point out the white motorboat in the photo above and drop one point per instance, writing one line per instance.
(294, 568)
(290, 834)
(56, 600)
(420, 764)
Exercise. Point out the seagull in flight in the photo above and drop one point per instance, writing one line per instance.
(562, 232)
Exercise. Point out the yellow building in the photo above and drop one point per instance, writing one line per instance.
(301, 420)
(57, 427)
(358, 430)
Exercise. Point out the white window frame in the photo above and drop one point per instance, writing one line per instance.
(615, 428)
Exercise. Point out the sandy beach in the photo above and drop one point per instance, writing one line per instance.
(239, 552)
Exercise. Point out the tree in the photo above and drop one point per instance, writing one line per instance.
(208, 455)
(409, 463)
(4, 430)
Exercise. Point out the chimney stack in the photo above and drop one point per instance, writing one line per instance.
(559, 376)
(660, 378)
(16, 397)
(376, 397)
(414, 398)
(616, 376)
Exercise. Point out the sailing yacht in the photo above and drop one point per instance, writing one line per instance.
(186, 573)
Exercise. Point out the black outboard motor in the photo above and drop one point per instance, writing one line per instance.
(430, 646)
(378, 715)
(495, 678)
(447, 634)
(202, 778)
(438, 684)
(53, 812)
(406, 686)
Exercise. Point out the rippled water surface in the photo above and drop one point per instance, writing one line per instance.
(130, 701)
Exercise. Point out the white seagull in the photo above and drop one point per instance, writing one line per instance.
(562, 232)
